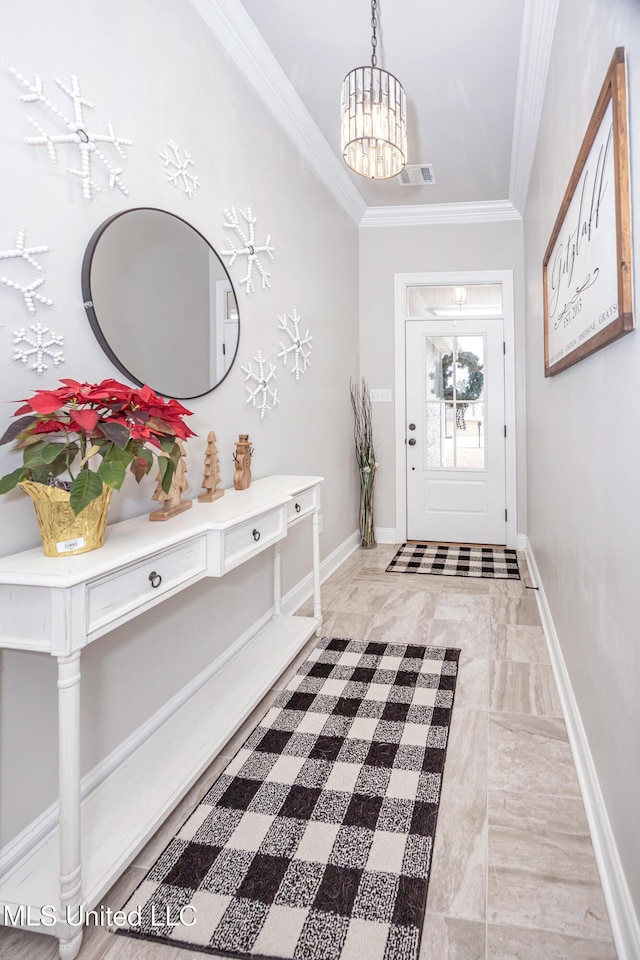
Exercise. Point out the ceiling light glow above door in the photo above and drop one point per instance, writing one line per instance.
(374, 118)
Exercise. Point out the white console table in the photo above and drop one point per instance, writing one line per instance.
(59, 605)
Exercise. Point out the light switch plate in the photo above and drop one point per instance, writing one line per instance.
(380, 396)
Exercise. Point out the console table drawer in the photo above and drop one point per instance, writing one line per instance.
(302, 504)
(250, 538)
(113, 596)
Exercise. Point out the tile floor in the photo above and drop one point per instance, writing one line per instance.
(513, 876)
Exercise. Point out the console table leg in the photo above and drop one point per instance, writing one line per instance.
(277, 580)
(69, 789)
(317, 606)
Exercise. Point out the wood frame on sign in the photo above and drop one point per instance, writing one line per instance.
(592, 320)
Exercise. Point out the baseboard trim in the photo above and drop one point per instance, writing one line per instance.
(37, 831)
(386, 535)
(625, 923)
(521, 541)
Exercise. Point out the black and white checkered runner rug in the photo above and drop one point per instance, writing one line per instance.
(316, 842)
(496, 562)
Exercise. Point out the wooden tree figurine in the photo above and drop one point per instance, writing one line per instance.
(242, 457)
(211, 477)
(173, 503)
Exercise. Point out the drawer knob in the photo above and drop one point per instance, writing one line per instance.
(155, 579)
(298, 508)
(256, 534)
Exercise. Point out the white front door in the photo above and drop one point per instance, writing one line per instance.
(455, 431)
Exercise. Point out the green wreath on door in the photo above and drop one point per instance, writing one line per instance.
(469, 388)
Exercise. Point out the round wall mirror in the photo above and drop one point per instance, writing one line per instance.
(160, 302)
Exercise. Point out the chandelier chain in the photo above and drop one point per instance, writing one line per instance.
(374, 27)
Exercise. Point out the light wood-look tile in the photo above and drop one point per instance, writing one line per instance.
(355, 626)
(474, 639)
(130, 948)
(467, 749)
(25, 945)
(450, 938)
(522, 610)
(525, 644)
(472, 685)
(524, 688)
(542, 872)
(521, 943)
(457, 887)
(418, 604)
(469, 607)
(464, 585)
(508, 588)
(530, 755)
(388, 628)
(359, 596)
(414, 583)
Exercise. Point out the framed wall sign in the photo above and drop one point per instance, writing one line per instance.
(587, 269)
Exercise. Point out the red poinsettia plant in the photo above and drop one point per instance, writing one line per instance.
(69, 431)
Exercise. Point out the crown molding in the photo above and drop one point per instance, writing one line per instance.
(240, 38)
(231, 24)
(536, 41)
(423, 215)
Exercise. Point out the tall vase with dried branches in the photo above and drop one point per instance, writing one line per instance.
(365, 456)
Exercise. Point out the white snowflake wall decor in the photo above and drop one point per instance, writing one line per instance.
(20, 251)
(176, 169)
(39, 347)
(263, 394)
(248, 249)
(28, 291)
(77, 134)
(300, 347)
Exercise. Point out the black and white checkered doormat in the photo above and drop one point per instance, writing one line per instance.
(496, 562)
(316, 842)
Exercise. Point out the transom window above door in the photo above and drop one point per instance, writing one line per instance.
(427, 302)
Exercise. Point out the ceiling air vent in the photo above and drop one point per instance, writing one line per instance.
(417, 175)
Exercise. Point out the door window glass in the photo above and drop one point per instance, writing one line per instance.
(428, 302)
(454, 403)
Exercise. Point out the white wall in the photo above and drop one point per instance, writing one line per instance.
(385, 251)
(153, 68)
(583, 453)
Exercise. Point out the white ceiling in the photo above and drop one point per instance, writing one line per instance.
(457, 61)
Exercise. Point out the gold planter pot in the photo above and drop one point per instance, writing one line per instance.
(63, 533)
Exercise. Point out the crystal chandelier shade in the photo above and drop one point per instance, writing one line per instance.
(374, 118)
(374, 123)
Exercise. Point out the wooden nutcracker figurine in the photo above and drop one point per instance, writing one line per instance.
(211, 477)
(242, 458)
(173, 504)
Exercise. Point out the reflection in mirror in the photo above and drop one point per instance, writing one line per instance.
(161, 302)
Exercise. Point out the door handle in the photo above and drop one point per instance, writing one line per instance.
(412, 442)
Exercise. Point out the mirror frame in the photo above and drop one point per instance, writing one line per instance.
(94, 322)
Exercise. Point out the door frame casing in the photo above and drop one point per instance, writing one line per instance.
(456, 278)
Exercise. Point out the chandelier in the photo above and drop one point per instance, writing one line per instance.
(374, 118)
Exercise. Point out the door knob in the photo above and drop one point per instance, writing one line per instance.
(412, 442)
(412, 426)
